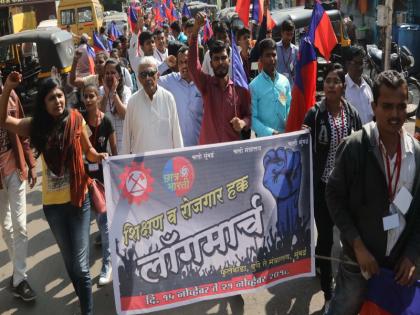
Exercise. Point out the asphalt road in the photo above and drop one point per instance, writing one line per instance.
(56, 296)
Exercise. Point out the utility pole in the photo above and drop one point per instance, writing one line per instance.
(389, 7)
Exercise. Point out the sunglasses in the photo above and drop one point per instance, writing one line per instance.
(145, 74)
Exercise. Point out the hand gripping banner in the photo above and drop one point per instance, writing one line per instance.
(208, 222)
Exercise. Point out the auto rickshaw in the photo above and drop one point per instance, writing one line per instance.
(51, 51)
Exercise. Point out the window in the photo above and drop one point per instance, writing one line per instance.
(84, 15)
(67, 17)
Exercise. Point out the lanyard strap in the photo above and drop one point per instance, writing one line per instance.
(340, 135)
(96, 129)
(287, 64)
(397, 170)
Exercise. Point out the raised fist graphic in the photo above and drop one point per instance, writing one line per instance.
(282, 177)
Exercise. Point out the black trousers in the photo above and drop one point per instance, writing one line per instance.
(324, 225)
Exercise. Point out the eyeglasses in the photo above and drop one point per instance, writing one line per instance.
(145, 74)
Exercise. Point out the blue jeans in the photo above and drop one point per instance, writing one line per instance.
(102, 222)
(349, 292)
(71, 228)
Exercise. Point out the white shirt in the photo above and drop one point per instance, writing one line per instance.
(127, 78)
(117, 121)
(160, 57)
(407, 173)
(151, 125)
(360, 97)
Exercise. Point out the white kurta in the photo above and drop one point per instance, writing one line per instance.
(151, 124)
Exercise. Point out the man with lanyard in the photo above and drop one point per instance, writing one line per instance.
(270, 94)
(287, 52)
(374, 199)
(189, 102)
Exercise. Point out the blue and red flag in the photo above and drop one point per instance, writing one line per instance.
(321, 31)
(238, 73)
(113, 32)
(97, 43)
(175, 14)
(168, 13)
(207, 31)
(91, 58)
(133, 16)
(304, 88)
(186, 11)
(386, 297)
(321, 35)
(243, 7)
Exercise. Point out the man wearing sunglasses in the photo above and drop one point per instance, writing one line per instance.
(227, 108)
(151, 121)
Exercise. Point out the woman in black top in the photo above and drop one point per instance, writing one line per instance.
(330, 120)
(101, 132)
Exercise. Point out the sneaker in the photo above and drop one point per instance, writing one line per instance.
(106, 275)
(24, 291)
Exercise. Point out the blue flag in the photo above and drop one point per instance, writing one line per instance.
(186, 11)
(386, 297)
(238, 72)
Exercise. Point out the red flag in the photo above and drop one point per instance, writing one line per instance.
(207, 31)
(321, 31)
(91, 58)
(242, 7)
(304, 89)
(257, 14)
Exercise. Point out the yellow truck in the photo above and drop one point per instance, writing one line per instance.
(82, 16)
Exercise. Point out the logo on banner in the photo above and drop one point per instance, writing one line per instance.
(136, 183)
(178, 175)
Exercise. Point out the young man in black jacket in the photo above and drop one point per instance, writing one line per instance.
(373, 168)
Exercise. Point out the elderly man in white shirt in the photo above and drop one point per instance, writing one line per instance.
(358, 92)
(151, 121)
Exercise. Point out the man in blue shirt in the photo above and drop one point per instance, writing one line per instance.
(189, 102)
(287, 52)
(270, 94)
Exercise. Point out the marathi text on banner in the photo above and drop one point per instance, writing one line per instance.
(208, 222)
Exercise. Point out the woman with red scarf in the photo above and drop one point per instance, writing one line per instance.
(60, 138)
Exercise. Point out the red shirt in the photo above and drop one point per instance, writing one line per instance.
(220, 106)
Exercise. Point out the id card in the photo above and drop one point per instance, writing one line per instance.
(254, 66)
(94, 167)
(403, 200)
(391, 222)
